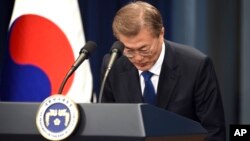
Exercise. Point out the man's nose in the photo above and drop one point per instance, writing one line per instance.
(138, 58)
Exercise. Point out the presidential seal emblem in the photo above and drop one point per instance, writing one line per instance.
(57, 117)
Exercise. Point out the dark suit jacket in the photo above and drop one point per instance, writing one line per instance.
(187, 86)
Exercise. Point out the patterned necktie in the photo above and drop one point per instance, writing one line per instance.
(149, 92)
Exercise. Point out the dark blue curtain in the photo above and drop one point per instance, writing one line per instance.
(6, 7)
(97, 17)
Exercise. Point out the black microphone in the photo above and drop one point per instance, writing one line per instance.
(116, 50)
(83, 54)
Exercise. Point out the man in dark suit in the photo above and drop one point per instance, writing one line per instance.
(182, 78)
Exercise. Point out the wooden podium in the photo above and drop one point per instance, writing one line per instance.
(103, 122)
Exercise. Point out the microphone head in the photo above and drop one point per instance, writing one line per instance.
(88, 48)
(117, 47)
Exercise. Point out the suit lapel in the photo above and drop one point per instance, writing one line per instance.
(168, 77)
(132, 87)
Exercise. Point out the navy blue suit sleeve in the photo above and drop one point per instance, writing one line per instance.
(209, 107)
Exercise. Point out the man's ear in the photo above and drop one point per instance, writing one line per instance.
(162, 31)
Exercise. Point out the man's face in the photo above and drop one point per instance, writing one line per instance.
(143, 50)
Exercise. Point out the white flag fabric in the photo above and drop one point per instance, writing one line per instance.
(44, 41)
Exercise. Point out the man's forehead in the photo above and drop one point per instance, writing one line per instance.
(135, 46)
